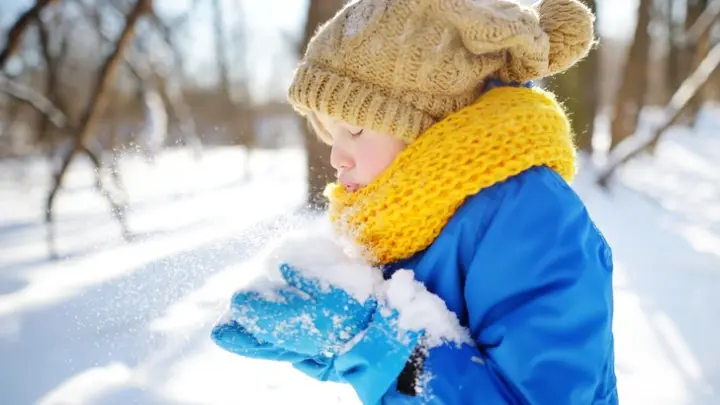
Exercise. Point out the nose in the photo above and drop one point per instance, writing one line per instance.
(340, 159)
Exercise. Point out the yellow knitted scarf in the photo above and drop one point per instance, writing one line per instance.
(506, 131)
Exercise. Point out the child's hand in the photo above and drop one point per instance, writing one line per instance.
(229, 335)
(304, 317)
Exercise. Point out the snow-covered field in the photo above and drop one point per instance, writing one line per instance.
(127, 323)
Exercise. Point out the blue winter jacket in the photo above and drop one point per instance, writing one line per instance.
(528, 273)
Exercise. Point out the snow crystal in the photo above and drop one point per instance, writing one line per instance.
(248, 321)
(419, 309)
(308, 325)
(345, 334)
(338, 321)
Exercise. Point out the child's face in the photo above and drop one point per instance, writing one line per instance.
(359, 154)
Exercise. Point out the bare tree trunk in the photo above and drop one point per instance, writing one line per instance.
(170, 89)
(7, 123)
(716, 75)
(94, 110)
(690, 89)
(173, 96)
(146, 71)
(52, 66)
(220, 52)
(319, 171)
(578, 90)
(49, 110)
(14, 36)
(238, 114)
(569, 89)
(590, 93)
(695, 52)
(114, 165)
(675, 44)
(714, 87)
(630, 97)
(244, 109)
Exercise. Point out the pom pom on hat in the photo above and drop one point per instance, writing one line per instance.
(569, 26)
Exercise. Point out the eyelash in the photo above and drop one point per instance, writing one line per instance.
(356, 134)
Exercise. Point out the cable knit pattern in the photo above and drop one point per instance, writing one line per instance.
(398, 67)
(508, 130)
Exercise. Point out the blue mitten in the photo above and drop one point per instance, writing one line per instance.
(306, 317)
(234, 338)
(230, 336)
(332, 334)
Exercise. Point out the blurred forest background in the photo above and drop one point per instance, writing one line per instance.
(147, 152)
(101, 78)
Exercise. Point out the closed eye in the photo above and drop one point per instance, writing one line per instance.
(356, 134)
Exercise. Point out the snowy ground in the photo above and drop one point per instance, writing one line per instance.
(117, 323)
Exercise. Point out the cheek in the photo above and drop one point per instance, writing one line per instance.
(372, 161)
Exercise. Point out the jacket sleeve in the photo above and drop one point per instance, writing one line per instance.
(539, 299)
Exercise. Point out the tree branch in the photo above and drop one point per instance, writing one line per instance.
(15, 34)
(702, 24)
(34, 99)
(144, 71)
(52, 64)
(97, 104)
(689, 89)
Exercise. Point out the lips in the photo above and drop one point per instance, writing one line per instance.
(349, 185)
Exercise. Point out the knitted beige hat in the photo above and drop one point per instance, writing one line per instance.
(398, 66)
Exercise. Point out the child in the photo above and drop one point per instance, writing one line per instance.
(451, 167)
